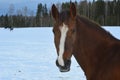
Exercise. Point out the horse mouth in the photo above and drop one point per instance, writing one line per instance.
(65, 68)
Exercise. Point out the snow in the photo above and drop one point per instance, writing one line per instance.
(29, 54)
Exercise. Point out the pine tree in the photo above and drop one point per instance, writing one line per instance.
(39, 15)
(6, 21)
(100, 11)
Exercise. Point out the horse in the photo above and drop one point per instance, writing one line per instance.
(95, 49)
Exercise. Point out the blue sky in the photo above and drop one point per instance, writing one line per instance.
(31, 4)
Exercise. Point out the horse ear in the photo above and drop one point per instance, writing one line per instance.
(72, 10)
(55, 12)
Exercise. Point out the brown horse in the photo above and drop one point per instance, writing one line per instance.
(96, 50)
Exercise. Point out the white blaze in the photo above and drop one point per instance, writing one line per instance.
(63, 30)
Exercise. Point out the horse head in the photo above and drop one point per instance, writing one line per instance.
(64, 35)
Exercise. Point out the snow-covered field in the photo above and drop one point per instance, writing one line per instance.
(29, 54)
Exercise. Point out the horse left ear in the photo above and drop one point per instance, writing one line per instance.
(55, 12)
(72, 10)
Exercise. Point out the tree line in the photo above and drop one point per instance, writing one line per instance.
(106, 13)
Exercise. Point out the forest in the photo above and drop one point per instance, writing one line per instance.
(105, 13)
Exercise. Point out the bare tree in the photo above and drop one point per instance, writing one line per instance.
(58, 6)
(11, 12)
(19, 12)
(25, 13)
(11, 9)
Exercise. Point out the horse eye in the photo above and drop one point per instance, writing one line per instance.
(53, 31)
(73, 30)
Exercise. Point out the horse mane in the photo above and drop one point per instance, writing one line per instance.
(65, 15)
(93, 25)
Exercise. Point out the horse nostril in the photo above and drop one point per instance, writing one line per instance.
(68, 63)
(57, 63)
(65, 68)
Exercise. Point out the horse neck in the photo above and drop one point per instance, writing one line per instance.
(88, 41)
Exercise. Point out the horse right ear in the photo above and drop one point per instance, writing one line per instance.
(72, 10)
(55, 12)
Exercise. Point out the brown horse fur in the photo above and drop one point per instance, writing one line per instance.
(96, 50)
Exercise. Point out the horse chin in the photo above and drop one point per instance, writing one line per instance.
(65, 68)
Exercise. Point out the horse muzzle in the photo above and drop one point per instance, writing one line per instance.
(64, 68)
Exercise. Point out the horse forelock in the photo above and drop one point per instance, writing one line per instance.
(64, 16)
